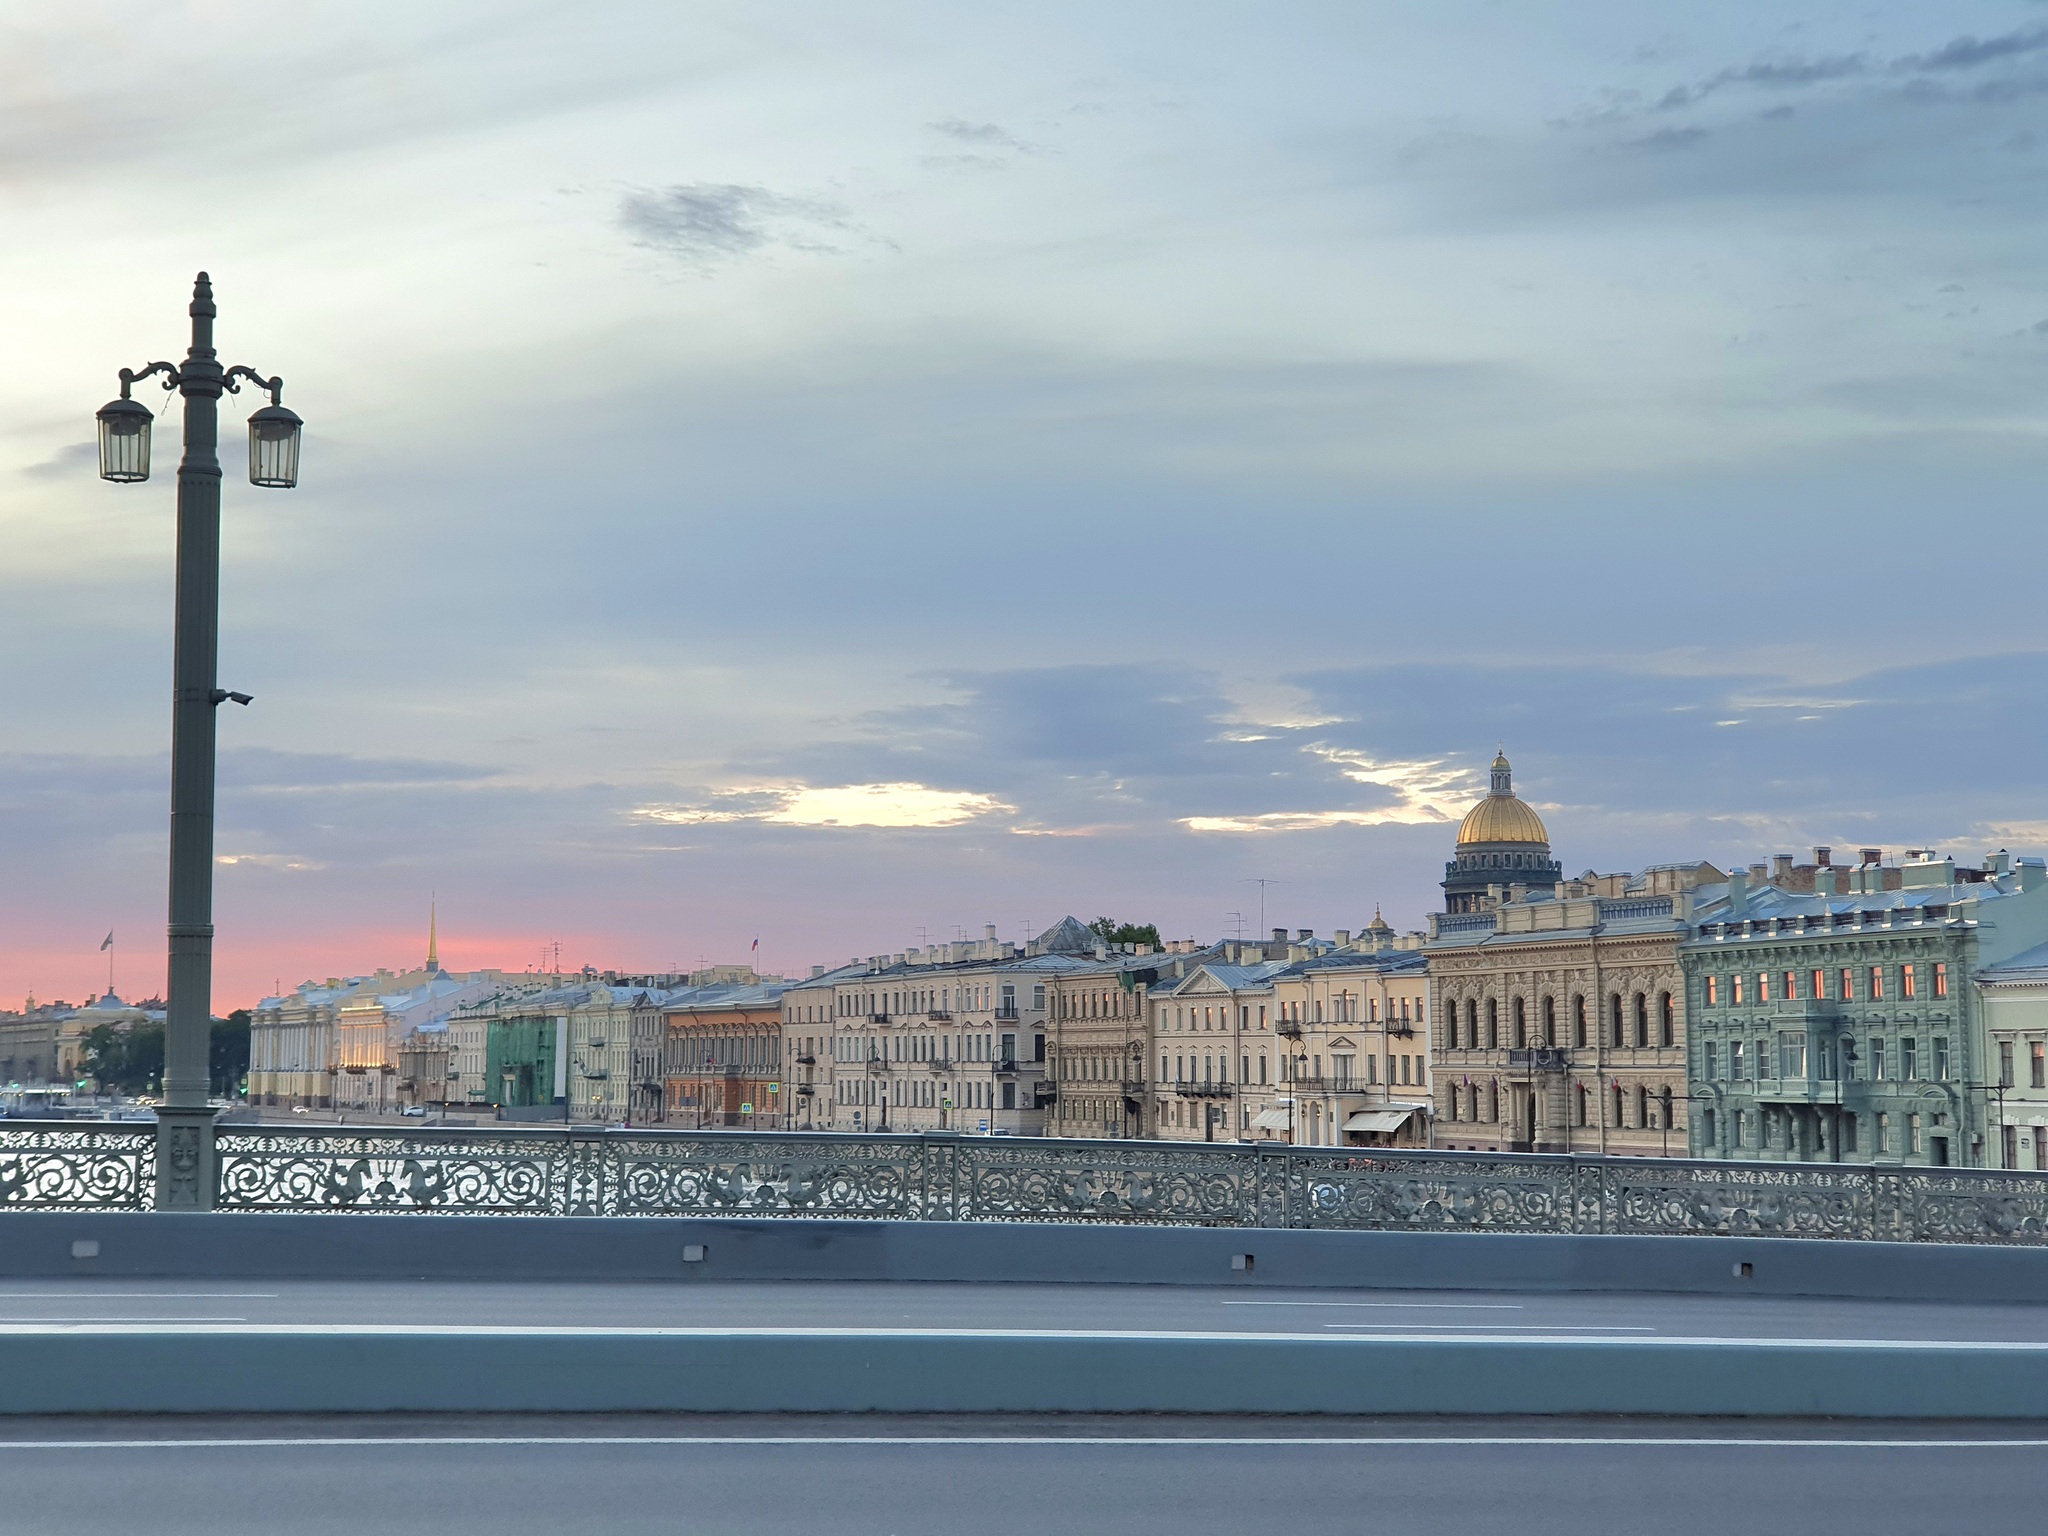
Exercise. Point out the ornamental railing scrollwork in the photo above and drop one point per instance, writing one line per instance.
(527, 1170)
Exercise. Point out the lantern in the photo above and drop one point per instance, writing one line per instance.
(273, 447)
(124, 440)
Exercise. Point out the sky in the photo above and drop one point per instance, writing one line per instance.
(843, 476)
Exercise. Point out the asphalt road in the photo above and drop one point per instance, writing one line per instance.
(908, 1477)
(829, 1304)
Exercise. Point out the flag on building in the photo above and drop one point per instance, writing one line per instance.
(107, 942)
(756, 945)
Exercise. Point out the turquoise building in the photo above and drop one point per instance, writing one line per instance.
(1834, 1012)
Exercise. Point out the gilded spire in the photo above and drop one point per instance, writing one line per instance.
(433, 935)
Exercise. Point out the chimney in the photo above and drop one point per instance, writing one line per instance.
(1759, 874)
(1781, 868)
(1279, 935)
(988, 930)
(817, 971)
(1343, 938)
(1873, 855)
(1824, 857)
(1738, 893)
(1824, 881)
(1305, 934)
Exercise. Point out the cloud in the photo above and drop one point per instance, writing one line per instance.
(1971, 52)
(706, 222)
(978, 133)
(67, 463)
(842, 805)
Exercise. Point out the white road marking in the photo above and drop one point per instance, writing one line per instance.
(1518, 1329)
(86, 1295)
(67, 1322)
(1348, 1441)
(1446, 1306)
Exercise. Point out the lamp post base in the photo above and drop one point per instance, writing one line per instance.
(186, 1174)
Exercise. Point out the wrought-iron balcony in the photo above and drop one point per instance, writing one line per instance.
(939, 1016)
(805, 1061)
(877, 1065)
(1331, 1085)
(1006, 1065)
(1290, 1028)
(878, 1018)
(1203, 1090)
(1403, 1030)
(1007, 1015)
(1541, 1058)
(940, 1067)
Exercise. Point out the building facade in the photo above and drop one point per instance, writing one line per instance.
(2013, 997)
(1557, 1008)
(1353, 1046)
(1846, 1023)
(723, 1057)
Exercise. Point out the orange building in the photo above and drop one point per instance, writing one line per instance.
(725, 1058)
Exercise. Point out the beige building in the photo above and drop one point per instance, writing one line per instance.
(1557, 1006)
(1098, 1055)
(1352, 1028)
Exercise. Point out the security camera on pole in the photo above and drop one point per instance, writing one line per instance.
(185, 1177)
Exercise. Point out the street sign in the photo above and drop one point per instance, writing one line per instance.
(775, 1087)
(746, 1109)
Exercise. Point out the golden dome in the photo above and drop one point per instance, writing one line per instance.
(1500, 817)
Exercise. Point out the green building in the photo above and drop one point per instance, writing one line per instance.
(1833, 1011)
(525, 1049)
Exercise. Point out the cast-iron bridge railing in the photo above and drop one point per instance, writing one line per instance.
(574, 1171)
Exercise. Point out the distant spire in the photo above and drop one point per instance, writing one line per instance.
(1503, 776)
(433, 935)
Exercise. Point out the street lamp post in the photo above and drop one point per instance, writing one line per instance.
(185, 1176)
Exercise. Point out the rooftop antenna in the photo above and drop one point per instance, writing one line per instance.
(1236, 920)
(1261, 882)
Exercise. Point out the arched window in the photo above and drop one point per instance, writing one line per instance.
(1584, 1098)
(1667, 1024)
(1707, 1128)
(1472, 1023)
(1521, 1026)
(1642, 1020)
(1614, 1019)
(1492, 1102)
(1550, 1021)
(1617, 1106)
(1643, 1108)
(1492, 1024)
(1579, 1022)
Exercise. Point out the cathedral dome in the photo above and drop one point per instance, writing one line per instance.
(1501, 817)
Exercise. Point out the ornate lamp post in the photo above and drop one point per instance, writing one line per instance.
(184, 1149)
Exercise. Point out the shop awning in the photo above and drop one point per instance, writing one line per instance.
(1271, 1120)
(1378, 1120)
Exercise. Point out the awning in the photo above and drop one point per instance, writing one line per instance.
(1271, 1120)
(1378, 1120)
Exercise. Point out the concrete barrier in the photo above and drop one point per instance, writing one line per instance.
(141, 1369)
(130, 1244)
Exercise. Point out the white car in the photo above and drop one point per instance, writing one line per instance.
(413, 1111)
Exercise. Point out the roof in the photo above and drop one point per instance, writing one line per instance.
(1068, 936)
(1501, 817)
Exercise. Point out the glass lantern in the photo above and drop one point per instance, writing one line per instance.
(124, 440)
(274, 447)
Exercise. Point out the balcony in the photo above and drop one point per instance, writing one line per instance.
(1291, 1028)
(1006, 1065)
(1541, 1058)
(938, 1016)
(941, 1067)
(596, 1074)
(878, 1065)
(1202, 1090)
(1007, 1014)
(806, 1061)
(1402, 1031)
(878, 1018)
(1331, 1085)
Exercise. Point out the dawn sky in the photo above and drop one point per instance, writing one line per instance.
(844, 475)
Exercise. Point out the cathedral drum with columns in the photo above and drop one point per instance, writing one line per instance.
(1557, 1005)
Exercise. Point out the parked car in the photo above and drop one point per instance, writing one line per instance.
(413, 1111)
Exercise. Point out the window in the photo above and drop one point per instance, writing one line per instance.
(1877, 1064)
(1642, 1020)
(1912, 1135)
(1340, 1068)
(1909, 1058)
(1881, 1140)
(1617, 1106)
(1763, 986)
(1790, 991)
(2010, 1157)
(1614, 1018)
(1713, 991)
(1738, 1068)
(1848, 1133)
(1521, 1028)
(1708, 1062)
(1585, 1108)
(1792, 1056)
(1846, 990)
(1707, 1128)
(1578, 1020)
(2037, 1065)
(1819, 982)
(1737, 1129)
(1667, 1022)
(1738, 990)
(1941, 978)
(1877, 983)
(1450, 1025)
(1550, 1021)
(2005, 1071)
(1492, 1025)
(1941, 1058)
(1908, 982)
(1763, 1059)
